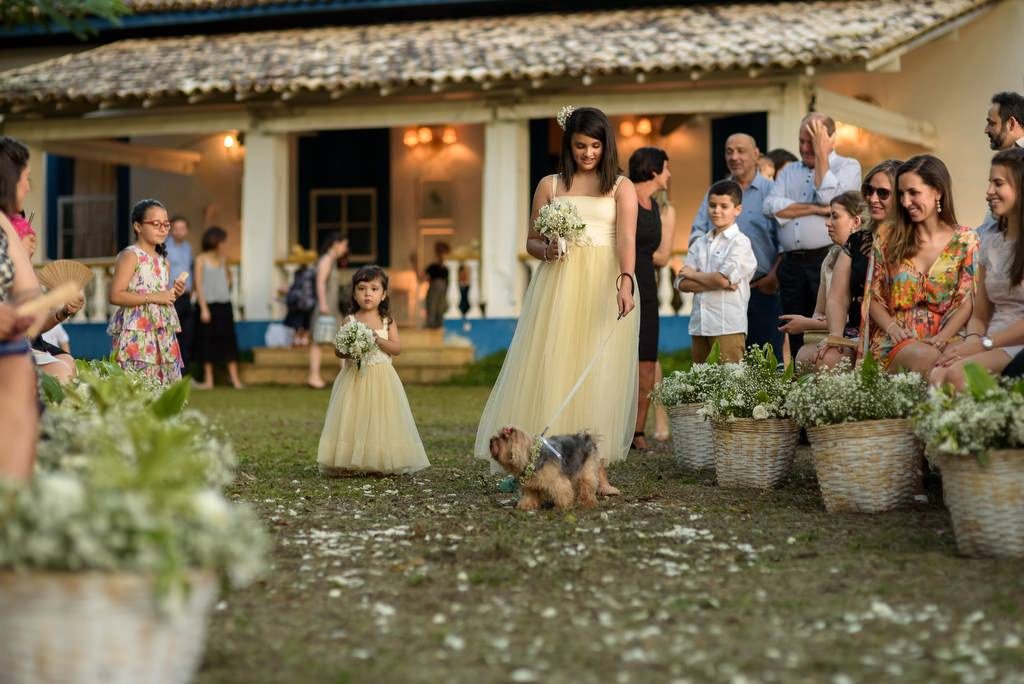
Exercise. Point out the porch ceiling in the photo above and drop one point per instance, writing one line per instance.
(533, 51)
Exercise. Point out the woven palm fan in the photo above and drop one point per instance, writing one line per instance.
(64, 271)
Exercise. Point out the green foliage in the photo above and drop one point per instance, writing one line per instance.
(842, 395)
(71, 15)
(988, 416)
(128, 479)
(753, 388)
(481, 372)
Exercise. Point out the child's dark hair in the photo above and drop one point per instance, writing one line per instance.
(139, 215)
(212, 236)
(367, 274)
(727, 187)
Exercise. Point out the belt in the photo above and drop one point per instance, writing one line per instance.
(807, 254)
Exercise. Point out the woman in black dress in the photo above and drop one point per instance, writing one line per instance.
(648, 169)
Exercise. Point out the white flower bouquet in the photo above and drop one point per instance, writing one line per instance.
(355, 340)
(987, 417)
(753, 388)
(842, 395)
(559, 221)
(688, 386)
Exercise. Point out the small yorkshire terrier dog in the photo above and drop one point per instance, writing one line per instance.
(543, 476)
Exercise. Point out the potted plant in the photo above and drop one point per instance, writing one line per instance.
(865, 452)
(683, 394)
(977, 440)
(110, 557)
(754, 438)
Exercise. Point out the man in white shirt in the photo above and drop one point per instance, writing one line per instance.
(799, 202)
(718, 269)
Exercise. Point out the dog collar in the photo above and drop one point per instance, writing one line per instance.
(535, 451)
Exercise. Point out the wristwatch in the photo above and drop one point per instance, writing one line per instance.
(987, 342)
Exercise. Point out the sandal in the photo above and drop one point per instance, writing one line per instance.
(634, 446)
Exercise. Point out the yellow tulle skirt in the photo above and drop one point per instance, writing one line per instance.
(369, 425)
(568, 311)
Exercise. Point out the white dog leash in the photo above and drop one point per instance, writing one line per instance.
(572, 392)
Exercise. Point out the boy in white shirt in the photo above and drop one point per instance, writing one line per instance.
(718, 270)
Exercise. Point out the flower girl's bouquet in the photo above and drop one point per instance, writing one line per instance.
(354, 340)
(559, 221)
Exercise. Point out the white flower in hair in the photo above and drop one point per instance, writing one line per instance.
(563, 115)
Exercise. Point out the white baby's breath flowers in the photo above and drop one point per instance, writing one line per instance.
(754, 388)
(559, 220)
(688, 387)
(843, 395)
(355, 340)
(974, 422)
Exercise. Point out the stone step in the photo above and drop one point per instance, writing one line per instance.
(252, 374)
(412, 355)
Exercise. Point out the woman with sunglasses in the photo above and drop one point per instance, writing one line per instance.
(144, 327)
(850, 274)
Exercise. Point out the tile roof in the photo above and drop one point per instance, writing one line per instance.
(462, 54)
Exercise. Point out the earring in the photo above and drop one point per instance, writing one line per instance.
(938, 205)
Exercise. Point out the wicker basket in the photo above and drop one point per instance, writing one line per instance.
(754, 453)
(692, 443)
(986, 503)
(97, 628)
(866, 467)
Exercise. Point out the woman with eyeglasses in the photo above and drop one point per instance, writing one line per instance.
(144, 327)
(850, 274)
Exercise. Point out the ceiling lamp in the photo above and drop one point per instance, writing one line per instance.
(425, 135)
(411, 139)
(626, 129)
(448, 137)
(643, 126)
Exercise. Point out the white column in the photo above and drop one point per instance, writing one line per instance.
(506, 213)
(267, 177)
(784, 118)
(453, 290)
(475, 298)
(35, 203)
(665, 291)
(96, 311)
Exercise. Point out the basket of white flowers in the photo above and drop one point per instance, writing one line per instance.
(754, 438)
(977, 439)
(110, 557)
(682, 394)
(865, 453)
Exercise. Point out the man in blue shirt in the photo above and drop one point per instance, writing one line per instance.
(179, 255)
(765, 305)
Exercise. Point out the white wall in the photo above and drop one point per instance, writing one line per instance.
(950, 82)
(460, 163)
(689, 159)
(211, 197)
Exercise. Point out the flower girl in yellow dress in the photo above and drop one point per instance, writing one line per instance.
(369, 425)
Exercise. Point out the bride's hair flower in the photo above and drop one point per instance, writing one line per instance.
(563, 115)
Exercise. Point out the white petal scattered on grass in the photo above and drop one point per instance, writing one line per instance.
(454, 642)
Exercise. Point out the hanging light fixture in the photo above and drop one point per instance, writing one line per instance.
(643, 126)
(410, 138)
(425, 135)
(448, 136)
(626, 129)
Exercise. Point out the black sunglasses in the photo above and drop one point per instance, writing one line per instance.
(869, 190)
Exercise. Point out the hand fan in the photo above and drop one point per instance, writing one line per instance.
(64, 271)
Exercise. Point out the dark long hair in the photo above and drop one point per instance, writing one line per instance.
(1013, 161)
(13, 160)
(9, 176)
(139, 215)
(902, 240)
(367, 274)
(213, 236)
(594, 124)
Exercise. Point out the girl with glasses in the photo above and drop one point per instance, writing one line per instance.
(144, 327)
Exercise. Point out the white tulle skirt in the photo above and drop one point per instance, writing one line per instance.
(568, 311)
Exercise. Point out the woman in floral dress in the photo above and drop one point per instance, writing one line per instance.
(144, 327)
(923, 280)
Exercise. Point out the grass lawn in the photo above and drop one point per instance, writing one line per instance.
(435, 578)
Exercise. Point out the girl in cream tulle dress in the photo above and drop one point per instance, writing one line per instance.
(369, 425)
(575, 302)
